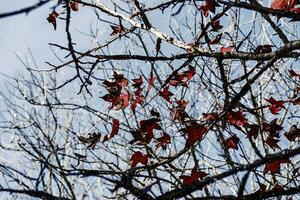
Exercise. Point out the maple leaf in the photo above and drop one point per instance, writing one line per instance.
(137, 82)
(74, 6)
(166, 94)
(117, 29)
(272, 142)
(92, 140)
(194, 177)
(284, 5)
(293, 133)
(274, 166)
(138, 157)
(215, 25)
(183, 78)
(114, 130)
(52, 18)
(154, 113)
(151, 82)
(227, 49)
(148, 126)
(209, 6)
(232, 142)
(273, 128)
(275, 106)
(237, 118)
(253, 132)
(123, 82)
(178, 113)
(263, 49)
(163, 141)
(195, 132)
(112, 86)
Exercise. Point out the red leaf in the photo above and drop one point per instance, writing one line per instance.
(215, 25)
(272, 142)
(274, 166)
(166, 94)
(253, 132)
(232, 142)
(137, 82)
(52, 18)
(195, 132)
(163, 141)
(148, 126)
(276, 105)
(209, 6)
(194, 177)
(293, 133)
(117, 29)
(151, 82)
(154, 113)
(210, 116)
(295, 10)
(74, 6)
(227, 49)
(137, 158)
(184, 77)
(114, 130)
(284, 5)
(272, 128)
(237, 118)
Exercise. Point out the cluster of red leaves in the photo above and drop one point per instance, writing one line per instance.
(274, 166)
(115, 96)
(183, 78)
(275, 106)
(237, 118)
(145, 133)
(92, 140)
(194, 177)
(138, 157)
(114, 130)
(209, 6)
(232, 142)
(194, 132)
(53, 16)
